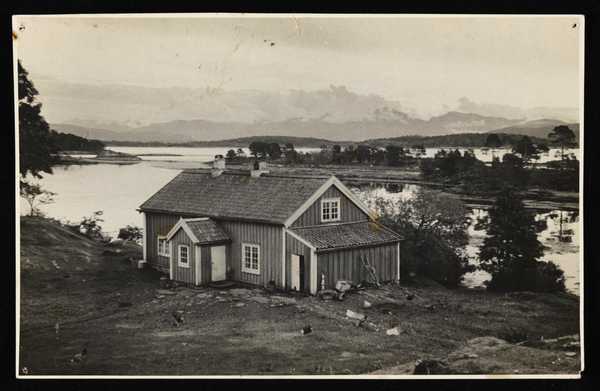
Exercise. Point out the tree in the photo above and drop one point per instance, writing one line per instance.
(36, 146)
(349, 154)
(511, 249)
(527, 149)
(336, 152)
(563, 136)
(274, 151)
(493, 141)
(378, 156)
(392, 153)
(291, 155)
(363, 153)
(35, 196)
(259, 149)
(435, 229)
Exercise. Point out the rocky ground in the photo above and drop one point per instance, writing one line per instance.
(85, 309)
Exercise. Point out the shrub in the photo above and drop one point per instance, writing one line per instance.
(130, 232)
(544, 277)
(89, 226)
(432, 258)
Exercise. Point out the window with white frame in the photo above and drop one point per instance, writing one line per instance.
(330, 209)
(163, 247)
(251, 258)
(183, 256)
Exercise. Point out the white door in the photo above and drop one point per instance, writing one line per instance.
(295, 272)
(218, 263)
(198, 265)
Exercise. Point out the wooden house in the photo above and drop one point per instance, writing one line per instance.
(297, 232)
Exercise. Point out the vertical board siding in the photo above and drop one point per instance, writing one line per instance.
(346, 264)
(158, 224)
(268, 237)
(348, 210)
(294, 246)
(206, 268)
(185, 274)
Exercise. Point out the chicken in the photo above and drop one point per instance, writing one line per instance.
(79, 357)
(306, 330)
(178, 318)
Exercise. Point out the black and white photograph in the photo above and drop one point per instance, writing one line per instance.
(377, 196)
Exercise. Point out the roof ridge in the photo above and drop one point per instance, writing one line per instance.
(296, 176)
(247, 172)
(333, 225)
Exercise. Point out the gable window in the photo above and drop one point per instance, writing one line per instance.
(251, 258)
(183, 256)
(163, 247)
(330, 209)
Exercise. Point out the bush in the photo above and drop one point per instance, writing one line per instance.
(544, 277)
(549, 278)
(89, 226)
(130, 232)
(434, 259)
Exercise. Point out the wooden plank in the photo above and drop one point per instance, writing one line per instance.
(157, 225)
(268, 237)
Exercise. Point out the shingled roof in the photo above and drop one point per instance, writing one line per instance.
(201, 230)
(234, 195)
(206, 231)
(347, 235)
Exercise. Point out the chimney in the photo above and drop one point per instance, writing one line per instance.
(218, 166)
(258, 168)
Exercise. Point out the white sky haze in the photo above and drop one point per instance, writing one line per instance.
(426, 63)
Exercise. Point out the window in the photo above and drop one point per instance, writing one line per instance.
(183, 258)
(250, 258)
(330, 209)
(163, 247)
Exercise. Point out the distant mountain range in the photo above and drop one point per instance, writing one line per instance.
(538, 128)
(387, 125)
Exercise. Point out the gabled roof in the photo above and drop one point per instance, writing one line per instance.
(270, 198)
(235, 195)
(346, 235)
(200, 231)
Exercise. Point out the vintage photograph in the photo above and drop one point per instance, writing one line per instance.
(299, 195)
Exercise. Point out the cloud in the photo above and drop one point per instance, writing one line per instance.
(134, 105)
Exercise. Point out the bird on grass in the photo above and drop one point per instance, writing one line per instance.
(178, 318)
(79, 358)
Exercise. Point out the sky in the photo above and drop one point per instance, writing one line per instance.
(427, 63)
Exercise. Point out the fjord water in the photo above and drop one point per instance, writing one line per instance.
(118, 190)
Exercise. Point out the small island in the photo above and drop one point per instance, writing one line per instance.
(105, 156)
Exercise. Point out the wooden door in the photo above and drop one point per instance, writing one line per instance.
(218, 263)
(297, 270)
